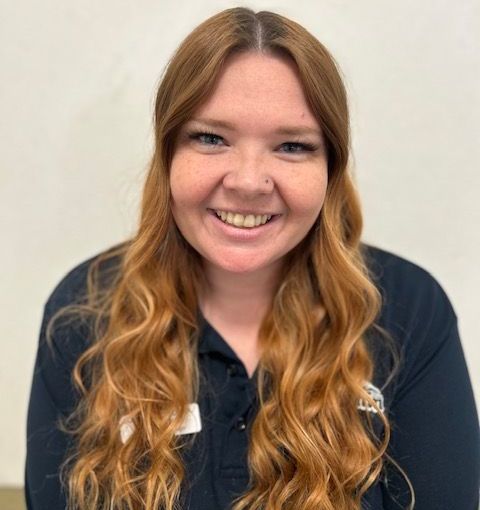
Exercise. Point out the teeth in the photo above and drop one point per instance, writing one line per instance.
(249, 221)
(239, 220)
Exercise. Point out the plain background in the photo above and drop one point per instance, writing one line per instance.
(77, 87)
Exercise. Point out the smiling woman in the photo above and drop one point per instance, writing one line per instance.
(245, 349)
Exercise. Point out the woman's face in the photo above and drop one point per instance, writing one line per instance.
(253, 152)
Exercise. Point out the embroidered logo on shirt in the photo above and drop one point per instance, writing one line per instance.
(376, 395)
(191, 425)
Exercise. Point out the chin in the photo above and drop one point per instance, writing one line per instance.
(241, 265)
(238, 268)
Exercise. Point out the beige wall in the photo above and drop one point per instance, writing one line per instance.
(77, 81)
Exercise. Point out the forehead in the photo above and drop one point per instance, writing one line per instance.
(256, 88)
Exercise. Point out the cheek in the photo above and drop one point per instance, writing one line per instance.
(191, 181)
(187, 185)
(306, 198)
(178, 191)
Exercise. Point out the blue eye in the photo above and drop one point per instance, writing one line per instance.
(293, 147)
(206, 138)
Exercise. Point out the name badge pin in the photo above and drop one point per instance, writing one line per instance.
(191, 424)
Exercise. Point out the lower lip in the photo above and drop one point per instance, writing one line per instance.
(243, 234)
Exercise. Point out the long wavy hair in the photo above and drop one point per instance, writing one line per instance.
(310, 447)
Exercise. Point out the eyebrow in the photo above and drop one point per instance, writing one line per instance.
(282, 130)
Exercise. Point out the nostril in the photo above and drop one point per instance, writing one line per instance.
(248, 182)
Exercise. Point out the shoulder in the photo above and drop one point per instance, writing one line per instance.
(410, 293)
(68, 330)
(416, 312)
(73, 286)
(65, 334)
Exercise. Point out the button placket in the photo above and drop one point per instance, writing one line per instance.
(230, 400)
(235, 440)
(232, 369)
(240, 424)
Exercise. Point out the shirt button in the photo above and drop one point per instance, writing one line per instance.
(232, 370)
(241, 425)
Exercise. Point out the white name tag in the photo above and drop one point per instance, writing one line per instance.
(191, 424)
(127, 428)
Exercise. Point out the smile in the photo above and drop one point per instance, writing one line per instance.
(243, 221)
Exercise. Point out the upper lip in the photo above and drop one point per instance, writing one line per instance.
(244, 211)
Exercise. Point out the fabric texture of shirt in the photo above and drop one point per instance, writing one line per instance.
(430, 403)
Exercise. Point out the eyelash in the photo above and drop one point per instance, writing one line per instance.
(196, 135)
(306, 147)
(303, 146)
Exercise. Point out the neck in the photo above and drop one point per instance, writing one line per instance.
(241, 299)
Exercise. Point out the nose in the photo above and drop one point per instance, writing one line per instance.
(248, 175)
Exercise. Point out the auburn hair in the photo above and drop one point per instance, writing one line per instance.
(310, 448)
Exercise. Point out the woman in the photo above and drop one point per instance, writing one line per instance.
(245, 349)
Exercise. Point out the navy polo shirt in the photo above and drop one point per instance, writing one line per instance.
(228, 402)
(228, 406)
(430, 404)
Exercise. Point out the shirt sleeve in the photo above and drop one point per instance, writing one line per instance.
(435, 434)
(52, 399)
(53, 396)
